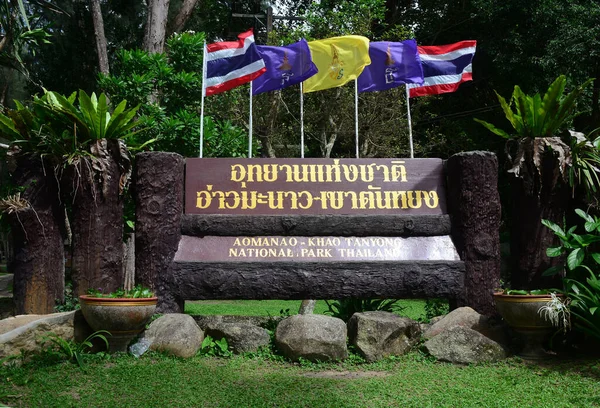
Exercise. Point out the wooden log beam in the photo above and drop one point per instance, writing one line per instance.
(474, 203)
(315, 280)
(159, 204)
(316, 225)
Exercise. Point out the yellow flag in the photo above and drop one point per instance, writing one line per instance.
(339, 60)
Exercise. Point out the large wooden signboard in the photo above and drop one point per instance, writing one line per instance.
(315, 186)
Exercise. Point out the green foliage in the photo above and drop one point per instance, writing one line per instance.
(168, 89)
(435, 307)
(215, 348)
(527, 292)
(585, 303)
(537, 116)
(585, 167)
(70, 303)
(71, 350)
(581, 250)
(345, 308)
(138, 292)
(65, 127)
(582, 266)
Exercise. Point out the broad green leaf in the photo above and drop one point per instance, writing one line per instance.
(575, 258)
(596, 257)
(553, 270)
(554, 252)
(555, 228)
(102, 116)
(584, 215)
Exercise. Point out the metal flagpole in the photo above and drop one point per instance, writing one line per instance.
(250, 121)
(202, 104)
(410, 139)
(301, 122)
(356, 113)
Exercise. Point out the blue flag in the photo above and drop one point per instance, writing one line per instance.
(286, 66)
(392, 64)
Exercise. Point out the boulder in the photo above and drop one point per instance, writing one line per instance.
(175, 333)
(312, 337)
(206, 321)
(461, 345)
(241, 337)
(25, 332)
(377, 335)
(463, 317)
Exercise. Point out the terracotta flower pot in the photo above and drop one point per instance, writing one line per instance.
(124, 318)
(522, 314)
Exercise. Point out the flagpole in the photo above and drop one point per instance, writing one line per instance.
(410, 138)
(356, 113)
(250, 133)
(301, 122)
(202, 104)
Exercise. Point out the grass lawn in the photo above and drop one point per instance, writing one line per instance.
(156, 380)
(413, 308)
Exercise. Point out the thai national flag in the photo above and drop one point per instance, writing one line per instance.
(445, 67)
(232, 63)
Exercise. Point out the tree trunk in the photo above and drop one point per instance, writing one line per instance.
(97, 225)
(183, 15)
(39, 262)
(156, 23)
(101, 46)
(529, 238)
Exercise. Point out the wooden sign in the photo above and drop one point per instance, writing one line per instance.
(322, 249)
(315, 186)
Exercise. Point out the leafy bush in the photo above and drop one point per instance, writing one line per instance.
(581, 270)
(345, 308)
(168, 88)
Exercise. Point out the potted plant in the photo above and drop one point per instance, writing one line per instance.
(124, 314)
(540, 160)
(533, 315)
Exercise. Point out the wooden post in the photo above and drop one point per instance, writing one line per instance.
(158, 207)
(474, 206)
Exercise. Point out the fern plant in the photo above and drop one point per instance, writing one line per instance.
(535, 115)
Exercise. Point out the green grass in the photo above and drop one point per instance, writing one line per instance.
(155, 380)
(413, 308)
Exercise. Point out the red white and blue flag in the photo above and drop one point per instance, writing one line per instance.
(445, 67)
(232, 63)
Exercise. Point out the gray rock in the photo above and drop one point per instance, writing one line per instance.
(377, 335)
(461, 317)
(241, 337)
(26, 332)
(312, 337)
(206, 321)
(175, 333)
(461, 345)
